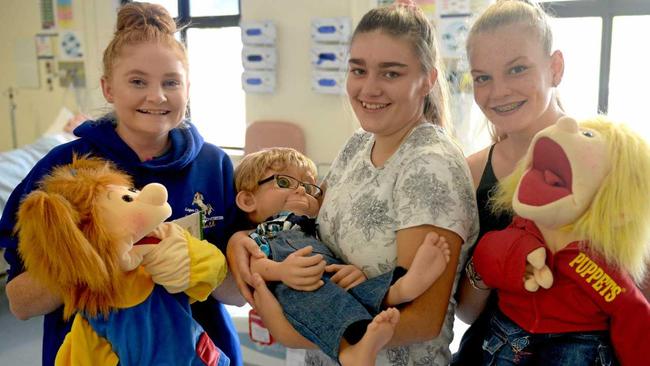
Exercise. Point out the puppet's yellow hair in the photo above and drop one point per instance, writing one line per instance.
(617, 223)
(63, 241)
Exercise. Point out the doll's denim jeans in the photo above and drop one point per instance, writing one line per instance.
(323, 315)
(508, 344)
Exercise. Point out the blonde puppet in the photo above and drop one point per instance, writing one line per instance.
(565, 269)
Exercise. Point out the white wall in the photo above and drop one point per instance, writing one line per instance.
(20, 21)
(326, 119)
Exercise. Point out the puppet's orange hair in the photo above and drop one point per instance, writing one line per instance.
(63, 241)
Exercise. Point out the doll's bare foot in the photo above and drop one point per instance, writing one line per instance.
(377, 335)
(428, 264)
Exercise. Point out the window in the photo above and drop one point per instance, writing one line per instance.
(170, 5)
(213, 40)
(216, 97)
(628, 78)
(579, 41)
(603, 38)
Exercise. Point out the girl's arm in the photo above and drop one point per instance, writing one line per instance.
(471, 300)
(29, 298)
(422, 319)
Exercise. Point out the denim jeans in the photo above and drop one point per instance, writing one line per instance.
(508, 344)
(324, 314)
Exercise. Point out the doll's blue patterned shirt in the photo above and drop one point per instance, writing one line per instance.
(283, 221)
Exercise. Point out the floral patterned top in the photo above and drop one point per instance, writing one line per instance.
(425, 182)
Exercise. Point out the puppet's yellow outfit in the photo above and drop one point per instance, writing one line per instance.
(152, 326)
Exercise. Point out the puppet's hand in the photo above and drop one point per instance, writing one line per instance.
(166, 230)
(131, 259)
(134, 257)
(537, 272)
(168, 262)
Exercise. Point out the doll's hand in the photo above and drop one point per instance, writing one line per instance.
(302, 272)
(537, 272)
(346, 275)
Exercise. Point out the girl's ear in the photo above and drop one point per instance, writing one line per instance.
(557, 67)
(430, 82)
(245, 200)
(107, 90)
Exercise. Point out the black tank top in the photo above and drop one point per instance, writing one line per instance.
(470, 350)
(487, 220)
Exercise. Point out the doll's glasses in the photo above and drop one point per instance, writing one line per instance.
(285, 181)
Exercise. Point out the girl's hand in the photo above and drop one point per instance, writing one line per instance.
(239, 252)
(302, 271)
(346, 275)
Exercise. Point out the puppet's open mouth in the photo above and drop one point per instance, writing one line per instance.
(549, 178)
(147, 240)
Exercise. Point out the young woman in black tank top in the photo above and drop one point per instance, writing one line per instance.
(514, 72)
(473, 337)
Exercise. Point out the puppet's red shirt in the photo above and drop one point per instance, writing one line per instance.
(587, 293)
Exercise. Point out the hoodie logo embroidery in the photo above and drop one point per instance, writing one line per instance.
(198, 201)
(206, 210)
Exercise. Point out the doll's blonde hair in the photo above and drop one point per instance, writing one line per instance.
(617, 223)
(63, 240)
(252, 167)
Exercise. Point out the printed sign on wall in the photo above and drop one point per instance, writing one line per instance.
(70, 46)
(64, 13)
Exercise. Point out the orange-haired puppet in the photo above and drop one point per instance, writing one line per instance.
(125, 275)
(565, 269)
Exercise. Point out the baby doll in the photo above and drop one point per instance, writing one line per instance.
(565, 268)
(343, 317)
(83, 235)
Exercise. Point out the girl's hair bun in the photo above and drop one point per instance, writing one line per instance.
(142, 15)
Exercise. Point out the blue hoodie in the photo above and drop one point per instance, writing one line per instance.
(197, 175)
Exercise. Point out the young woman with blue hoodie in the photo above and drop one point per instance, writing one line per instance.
(145, 78)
